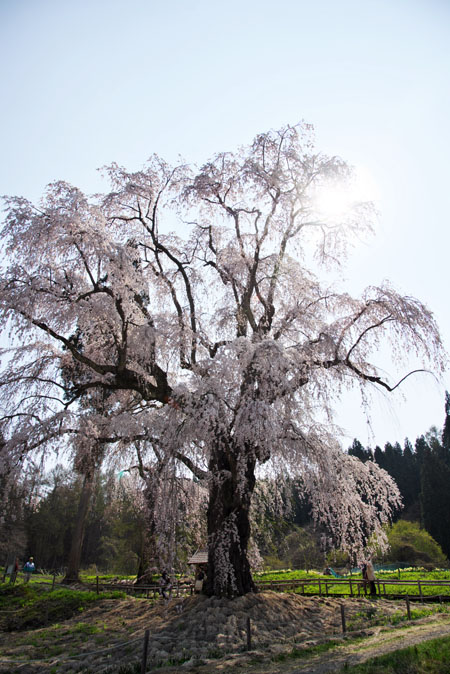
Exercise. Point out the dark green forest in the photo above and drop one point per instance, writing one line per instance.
(422, 473)
(41, 514)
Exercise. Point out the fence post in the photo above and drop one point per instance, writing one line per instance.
(420, 590)
(408, 608)
(344, 627)
(351, 587)
(53, 581)
(249, 635)
(320, 588)
(96, 584)
(145, 652)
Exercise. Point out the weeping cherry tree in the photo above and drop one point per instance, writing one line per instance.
(201, 301)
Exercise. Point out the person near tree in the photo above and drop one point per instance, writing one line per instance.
(370, 575)
(28, 569)
(165, 585)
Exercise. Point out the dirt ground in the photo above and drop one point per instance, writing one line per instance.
(109, 635)
(382, 641)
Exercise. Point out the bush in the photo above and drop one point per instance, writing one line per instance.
(410, 543)
(298, 548)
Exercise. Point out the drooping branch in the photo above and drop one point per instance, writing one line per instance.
(199, 473)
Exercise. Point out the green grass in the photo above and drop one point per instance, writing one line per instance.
(88, 578)
(431, 657)
(28, 606)
(417, 573)
(87, 628)
(332, 588)
(373, 617)
(297, 653)
(105, 577)
(287, 574)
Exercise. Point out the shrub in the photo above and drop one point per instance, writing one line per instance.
(410, 543)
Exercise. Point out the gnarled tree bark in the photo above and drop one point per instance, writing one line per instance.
(230, 494)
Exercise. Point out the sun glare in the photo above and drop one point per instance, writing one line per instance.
(334, 200)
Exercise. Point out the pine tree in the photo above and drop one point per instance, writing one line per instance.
(435, 481)
(360, 452)
(435, 498)
(446, 430)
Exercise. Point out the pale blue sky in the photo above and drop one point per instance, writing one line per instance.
(93, 81)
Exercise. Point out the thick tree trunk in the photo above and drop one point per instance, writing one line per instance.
(144, 574)
(229, 524)
(147, 560)
(73, 569)
(148, 554)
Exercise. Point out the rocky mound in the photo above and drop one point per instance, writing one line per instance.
(201, 627)
(187, 632)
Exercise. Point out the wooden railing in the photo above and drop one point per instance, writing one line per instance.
(150, 590)
(353, 587)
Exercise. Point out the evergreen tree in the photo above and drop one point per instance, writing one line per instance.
(410, 482)
(446, 431)
(13, 493)
(421, 447)
(378, 457)
(99, 546)
(435, 498)
(49, 523)
(360, 452)
(404, 466)
(393, 460)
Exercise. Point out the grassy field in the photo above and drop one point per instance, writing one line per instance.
(432, 657)
(287, 575)
(398, 575)
(27, 605)
(412, 573)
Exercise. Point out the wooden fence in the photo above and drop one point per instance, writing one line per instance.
(357, 587)
(352, 587)
(150, 591)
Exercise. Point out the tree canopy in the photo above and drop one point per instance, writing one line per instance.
(191, 300)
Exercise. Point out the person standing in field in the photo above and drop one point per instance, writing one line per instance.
(165, 586)
(28, 569)
(370, 575)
